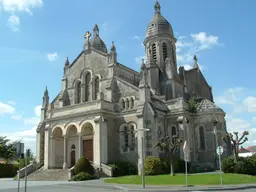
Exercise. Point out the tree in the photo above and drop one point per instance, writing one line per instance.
(236, 142)
(193, 105)
(7, 148)
(170, 146)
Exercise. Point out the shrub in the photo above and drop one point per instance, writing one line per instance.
(8, 170)
(83, 165)
(155, 165)
(246, 165)
(83, 176)
(123, 168)
(253, 156)
(228, 165)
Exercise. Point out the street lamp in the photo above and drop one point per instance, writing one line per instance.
(142, 154)
(219, 149)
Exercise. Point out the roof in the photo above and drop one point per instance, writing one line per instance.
(206, 105)
(243, 150)
(158, 24)
(251, 148)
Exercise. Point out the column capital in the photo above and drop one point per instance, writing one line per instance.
(65, 136)
(99, 118)
(80, 134)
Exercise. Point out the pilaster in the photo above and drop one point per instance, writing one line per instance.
(46, 149)
(100, 141)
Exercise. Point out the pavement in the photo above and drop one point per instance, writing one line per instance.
(9, 185)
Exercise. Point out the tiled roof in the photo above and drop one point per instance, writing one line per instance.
(251, 148)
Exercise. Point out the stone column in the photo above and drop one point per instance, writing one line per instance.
(51, 155)
(80, 145)
(46, 148)
(65, 153)
(100, 150)
(38, 142)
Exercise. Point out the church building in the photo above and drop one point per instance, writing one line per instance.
(103, 106)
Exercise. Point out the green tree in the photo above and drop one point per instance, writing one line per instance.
(236, 142)
(193, 105)
(170, 146)
(7, 148)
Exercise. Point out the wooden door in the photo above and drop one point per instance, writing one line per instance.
(88, 149)
(73, 158)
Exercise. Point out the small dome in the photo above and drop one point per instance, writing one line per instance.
(158, 24)
(97, 43)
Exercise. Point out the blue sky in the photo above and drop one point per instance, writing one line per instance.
(37, 36)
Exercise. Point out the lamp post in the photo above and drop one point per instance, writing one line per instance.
(186, 150)
(219, 150)
(142, 154)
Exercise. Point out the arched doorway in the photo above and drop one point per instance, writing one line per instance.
(72, 142)
(57, 149)
(73, 155)
(87, 131)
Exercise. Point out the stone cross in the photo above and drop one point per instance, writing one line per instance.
(87, 36)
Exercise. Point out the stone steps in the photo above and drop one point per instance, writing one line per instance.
(48, 175)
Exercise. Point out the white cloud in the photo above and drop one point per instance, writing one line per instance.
(32, 121)
(12, 6)
(14, 22)
(204, 41)
(136, 38)
(237, 124)
(6, 109)
(254, 119)
(16, 117)
(37, 110)
(52, 56)
(18, 6)
(250, 104)
(139, 59)
(28, 137)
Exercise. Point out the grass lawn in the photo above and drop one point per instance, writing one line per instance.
(180, 179)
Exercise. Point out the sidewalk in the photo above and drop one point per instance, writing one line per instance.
(184, 188)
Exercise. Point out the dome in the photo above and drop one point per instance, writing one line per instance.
(97, 43)
(158, 24)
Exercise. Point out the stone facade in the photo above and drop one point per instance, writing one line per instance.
(102, 103)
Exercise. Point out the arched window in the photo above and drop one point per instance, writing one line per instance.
(78, 92)
(164, 46)
(174, 132)
(127, 103)
(202, 137)
(87, 86)
(154, 52)
(126, 139)
(123, 104)
(73, 147)
(132, 102)
(132, 138)
(96, 87)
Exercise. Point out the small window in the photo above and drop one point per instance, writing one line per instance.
(164, 46)
(126, 139)
(73, 147)
(132, 138)
(78, 92)
(154, 52)
(202, 138)
(123, 103)
(127, 104)
(132, 103)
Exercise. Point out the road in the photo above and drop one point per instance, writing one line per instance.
(90, 186)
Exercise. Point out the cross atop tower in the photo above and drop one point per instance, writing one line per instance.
(87, 36)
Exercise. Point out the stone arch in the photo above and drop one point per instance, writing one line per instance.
(86, 122)
(57, 132)
(71, 129)
(84, 73)
(58, 126)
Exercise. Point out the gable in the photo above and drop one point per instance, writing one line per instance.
(91, 61)
(123, 89)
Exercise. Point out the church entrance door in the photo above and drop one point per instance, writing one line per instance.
(88, 149)
(73, 158)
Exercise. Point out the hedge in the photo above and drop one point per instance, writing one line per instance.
(83, 165)
(123, 168)
(8, 170)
